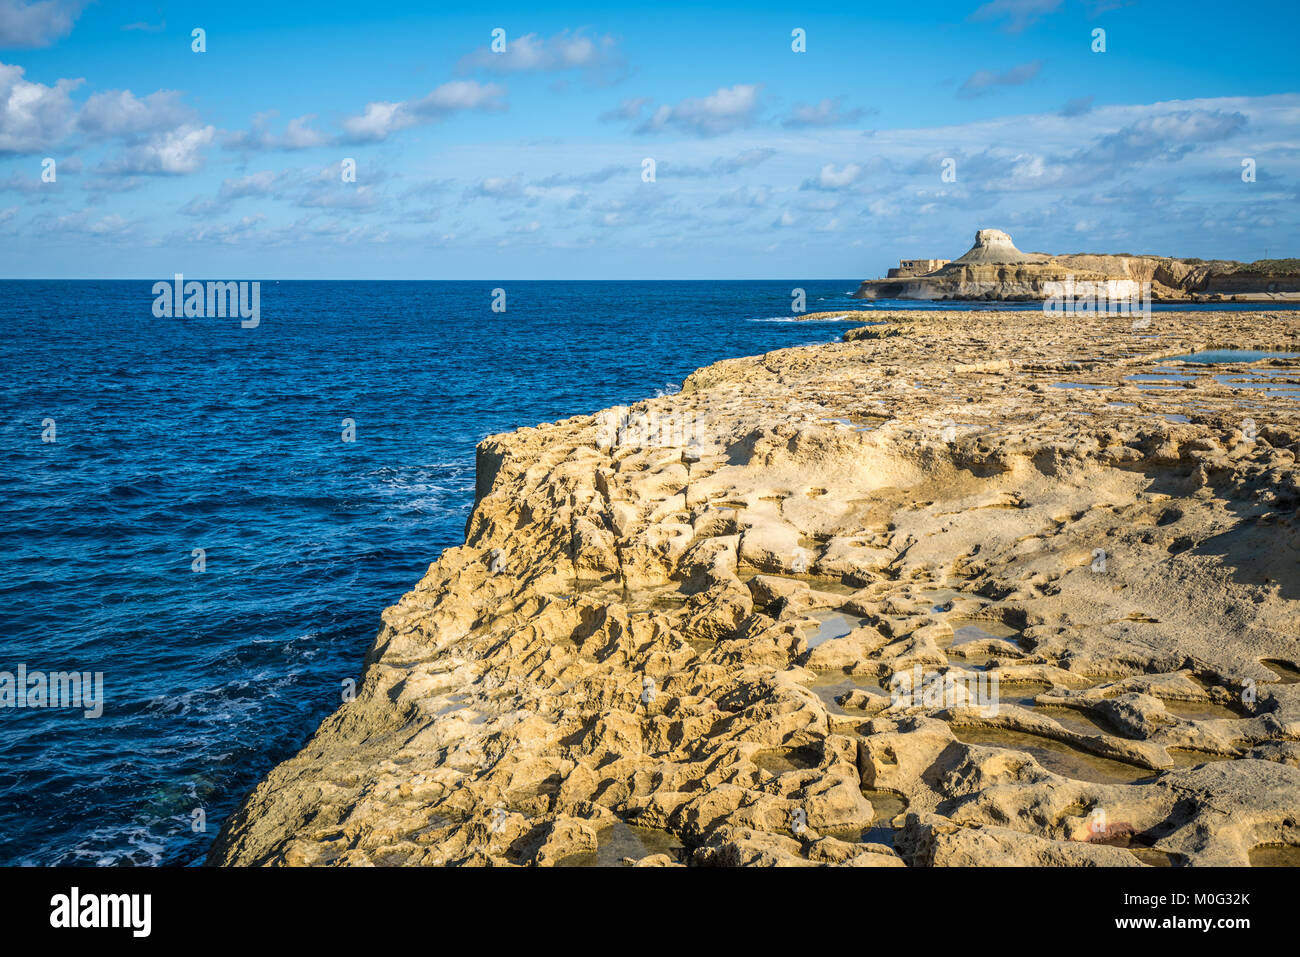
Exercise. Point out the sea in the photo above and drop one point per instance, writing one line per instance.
(210, 518)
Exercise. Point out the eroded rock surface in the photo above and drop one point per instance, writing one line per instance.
(967, 588)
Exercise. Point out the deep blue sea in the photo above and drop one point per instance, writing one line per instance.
(180, 434)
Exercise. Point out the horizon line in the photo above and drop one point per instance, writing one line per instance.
(425, 279)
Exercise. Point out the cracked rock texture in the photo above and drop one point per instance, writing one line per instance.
(964, 589)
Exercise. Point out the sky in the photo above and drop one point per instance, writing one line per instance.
(896, 132)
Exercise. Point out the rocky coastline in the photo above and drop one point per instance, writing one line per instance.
(994, 269)
(966, 588)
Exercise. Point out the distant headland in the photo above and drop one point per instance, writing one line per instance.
(995, 269)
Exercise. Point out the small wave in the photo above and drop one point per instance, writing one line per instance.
(138, 845)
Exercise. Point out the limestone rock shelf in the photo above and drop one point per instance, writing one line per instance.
(628, 658)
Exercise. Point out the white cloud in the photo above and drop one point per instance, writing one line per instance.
(172, 153)
(723, 166)
(298, 135)
(228, 234)
(380, 119)
(33, 116)
(982, 81)
(627, 110)
(122, 113)
(745, 197)
(726, 109)
(598, 57)
(602, 175)
(826, 112)
(37, 24)
(496, 187)
(81, 224)
(339, 195)
(831, 178)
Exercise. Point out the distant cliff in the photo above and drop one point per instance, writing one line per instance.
(995, 269)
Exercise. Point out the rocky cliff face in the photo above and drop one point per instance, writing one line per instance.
(994, 269)
(771, 638)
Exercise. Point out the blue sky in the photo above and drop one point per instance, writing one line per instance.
(528, 164)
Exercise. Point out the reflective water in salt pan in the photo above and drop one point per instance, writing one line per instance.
(831, 624)
(1288, 674)
(1186, 758)
(1232, 355)
(1253, 381)
(965, 630)
(1074, 719)
(1201, 710)
(788, 759)
(1153, 857)
(618, 841)
(886, 806)
(833, 684)
(1056, 756)
(941, 596)
(1275, 855)
(832, 585)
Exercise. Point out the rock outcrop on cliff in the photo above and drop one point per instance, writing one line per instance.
(994, 269)
(993, 247)
(966, 588)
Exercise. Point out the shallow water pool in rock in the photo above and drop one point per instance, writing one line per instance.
(885, 807)
(667, 601)
(817, 583)
(830, 685)
(1201, 710)
(1274, 384)
(831, 624)
(974, 629)
(1213, 356)
(1057, 756)
(787, 759)
(938, 597)
(618, 841)
(1187, 758)
(1075, 719)
(1287, 673)
(1158, 377)
(1021, 693)
(454, 703)
(1153, 857)
(1275, 855)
